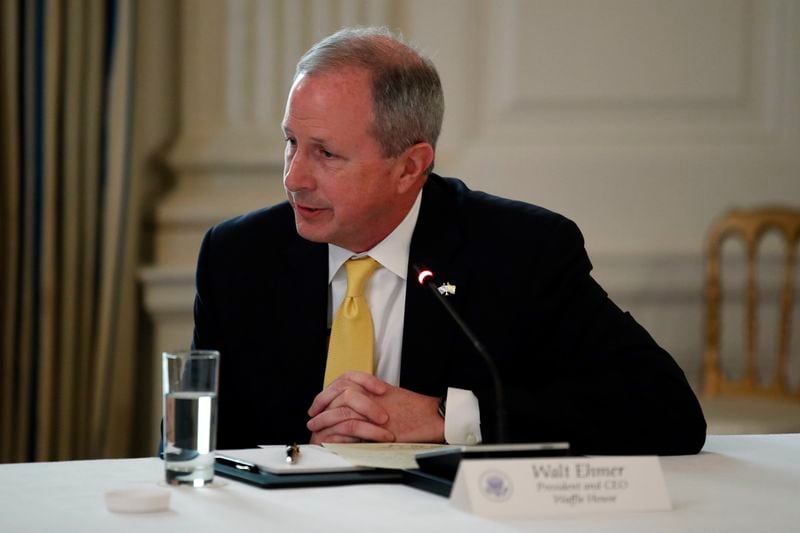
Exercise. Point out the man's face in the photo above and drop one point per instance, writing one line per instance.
(343, 190)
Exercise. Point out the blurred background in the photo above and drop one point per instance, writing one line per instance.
(130, 127)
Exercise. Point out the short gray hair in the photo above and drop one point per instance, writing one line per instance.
(407, 99)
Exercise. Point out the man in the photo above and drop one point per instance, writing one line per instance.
(361, 124)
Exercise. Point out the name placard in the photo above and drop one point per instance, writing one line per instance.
(559, 486)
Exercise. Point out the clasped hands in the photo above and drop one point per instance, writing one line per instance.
(358, 407)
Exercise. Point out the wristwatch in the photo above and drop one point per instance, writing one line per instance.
(443, 406)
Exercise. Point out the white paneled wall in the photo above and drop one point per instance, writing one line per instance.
(642, 120)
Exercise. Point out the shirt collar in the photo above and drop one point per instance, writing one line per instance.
(392, 252)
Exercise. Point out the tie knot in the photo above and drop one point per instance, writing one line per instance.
(358, 272)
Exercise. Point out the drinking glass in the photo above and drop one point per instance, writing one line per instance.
(190, 416)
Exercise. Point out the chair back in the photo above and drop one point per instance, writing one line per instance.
(751, 226)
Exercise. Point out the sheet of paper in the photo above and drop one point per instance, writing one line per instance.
(312, 459)
(396, 455)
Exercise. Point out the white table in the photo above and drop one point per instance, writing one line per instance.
(738, 483)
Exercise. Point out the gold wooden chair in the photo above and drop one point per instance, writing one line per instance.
(750, 404)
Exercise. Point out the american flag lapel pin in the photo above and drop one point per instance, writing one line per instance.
(447, 288)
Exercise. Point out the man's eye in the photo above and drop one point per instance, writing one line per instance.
(290, 141)
(326, 154)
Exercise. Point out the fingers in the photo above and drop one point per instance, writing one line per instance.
(346, 411)
(350, 405)
(357, 401)
(320, 438)
(353, 431)
(368, 381)
(346, 382)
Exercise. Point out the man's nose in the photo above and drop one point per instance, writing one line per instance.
(296, 174)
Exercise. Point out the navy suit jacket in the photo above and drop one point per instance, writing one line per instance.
(575, 367)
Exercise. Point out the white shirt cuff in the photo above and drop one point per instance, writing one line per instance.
(462, 422)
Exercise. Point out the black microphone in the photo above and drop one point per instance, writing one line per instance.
(425, 278)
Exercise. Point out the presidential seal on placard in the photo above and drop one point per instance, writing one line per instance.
(495, 486)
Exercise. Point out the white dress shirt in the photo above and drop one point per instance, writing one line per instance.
(386, 295)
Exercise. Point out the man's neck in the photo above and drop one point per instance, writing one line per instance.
(392, 252)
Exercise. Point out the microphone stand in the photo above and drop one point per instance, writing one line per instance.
(500, 426)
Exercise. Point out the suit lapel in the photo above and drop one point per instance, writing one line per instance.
(307, 280)
(428, 331)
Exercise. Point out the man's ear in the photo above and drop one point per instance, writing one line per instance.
(412, 165)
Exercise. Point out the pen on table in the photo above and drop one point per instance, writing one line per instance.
(292, 453)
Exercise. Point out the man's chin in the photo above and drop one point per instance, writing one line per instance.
(310, 234)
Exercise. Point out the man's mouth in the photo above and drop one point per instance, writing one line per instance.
(308, 211)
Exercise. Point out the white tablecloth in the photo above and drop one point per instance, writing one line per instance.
(738, 483)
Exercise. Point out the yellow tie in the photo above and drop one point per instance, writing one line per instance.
(351, 343)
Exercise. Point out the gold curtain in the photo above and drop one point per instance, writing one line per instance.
(68, 237)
